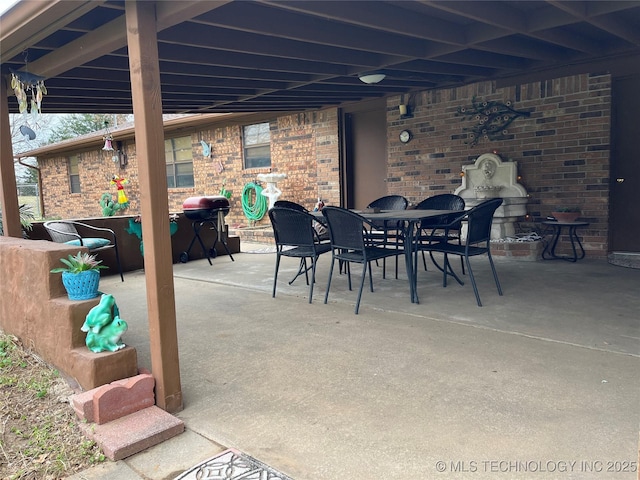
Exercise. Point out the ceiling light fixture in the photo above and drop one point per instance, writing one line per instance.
(370, 78)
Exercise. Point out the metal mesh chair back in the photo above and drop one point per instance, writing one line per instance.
(293, 228)
(289, 204)
(446, 201)
(480, 219)
(346, 228)
(390, 202)
(61, 232)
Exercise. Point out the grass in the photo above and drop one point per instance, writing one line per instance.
(39, 434)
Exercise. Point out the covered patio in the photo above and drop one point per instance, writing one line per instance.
(541, 377)
(151, 58)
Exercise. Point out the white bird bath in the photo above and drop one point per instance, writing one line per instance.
(271, 192)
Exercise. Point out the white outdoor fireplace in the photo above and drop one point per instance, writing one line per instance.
(490, 177)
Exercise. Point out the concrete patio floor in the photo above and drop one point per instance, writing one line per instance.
(540, 383)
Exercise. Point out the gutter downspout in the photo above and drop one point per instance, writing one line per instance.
(40, 198)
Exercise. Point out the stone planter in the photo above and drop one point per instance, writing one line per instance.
(566, 216)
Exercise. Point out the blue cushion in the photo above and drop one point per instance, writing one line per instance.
(90, 243)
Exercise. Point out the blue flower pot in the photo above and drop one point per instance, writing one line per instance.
(83, 285)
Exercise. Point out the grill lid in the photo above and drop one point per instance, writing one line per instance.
(213, 202)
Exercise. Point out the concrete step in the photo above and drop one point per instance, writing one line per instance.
(133, 433)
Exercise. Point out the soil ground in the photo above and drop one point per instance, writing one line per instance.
(39, 433)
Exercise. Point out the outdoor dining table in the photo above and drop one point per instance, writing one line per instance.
(408, 220)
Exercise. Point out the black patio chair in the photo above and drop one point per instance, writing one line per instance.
(350, 243)
(295, 237)
(433, 228)
(389, 234)
(65, 231)
(289, 204)
(477, 242)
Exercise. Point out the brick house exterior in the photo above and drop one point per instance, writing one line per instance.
(562, 150)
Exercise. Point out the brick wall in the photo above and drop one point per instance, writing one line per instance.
(562, 150)
(304, 146)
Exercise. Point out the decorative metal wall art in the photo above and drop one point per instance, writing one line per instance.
(492, 119)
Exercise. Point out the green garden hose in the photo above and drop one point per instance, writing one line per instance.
(254, 204)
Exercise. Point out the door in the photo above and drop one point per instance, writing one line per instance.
(365, 134)
(624, 215)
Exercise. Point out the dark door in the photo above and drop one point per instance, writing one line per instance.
(624, 215)
(365, 134)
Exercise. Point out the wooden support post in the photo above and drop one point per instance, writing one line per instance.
(147, 109)
(8, 189)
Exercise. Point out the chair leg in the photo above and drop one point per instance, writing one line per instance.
(364, 273)
(370, 275)
(313, 277)
(473, 281)
(306, 270)
(461, 259)
(115, 247)
(326, 294)
(444, 269)
(302, 268)
(275, 275)
(495, 274)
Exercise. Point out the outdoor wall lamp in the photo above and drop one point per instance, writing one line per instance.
(405, 111)
(373, 77)
(119, 155)
(405, 108)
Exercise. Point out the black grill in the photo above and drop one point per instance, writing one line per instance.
(206, 210)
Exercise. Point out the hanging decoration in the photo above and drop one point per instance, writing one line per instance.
(108, 138)
(25, 83)
(492, 119)
(206, 149)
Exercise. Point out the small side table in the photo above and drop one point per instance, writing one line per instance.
(550, 253)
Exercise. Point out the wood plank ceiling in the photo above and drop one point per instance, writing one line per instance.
(258, 56)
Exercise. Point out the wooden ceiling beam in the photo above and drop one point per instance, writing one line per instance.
(32, 22)
(261, 20)
(595, 16)
(387, 17)
(231, 40)
(113, 36)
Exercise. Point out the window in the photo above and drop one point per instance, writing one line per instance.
(257, 145)
(179, 156)
(74, 173)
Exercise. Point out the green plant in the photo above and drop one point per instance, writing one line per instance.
(567, 209)
(26, 217)
(223, 191)
(81, 262)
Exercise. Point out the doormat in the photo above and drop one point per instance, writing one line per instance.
(232, 465)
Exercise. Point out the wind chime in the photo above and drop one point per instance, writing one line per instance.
(24, 83)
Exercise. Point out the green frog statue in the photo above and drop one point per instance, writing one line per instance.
(104, 326)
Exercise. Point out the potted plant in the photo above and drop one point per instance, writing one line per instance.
(81, 275)
(566, 214)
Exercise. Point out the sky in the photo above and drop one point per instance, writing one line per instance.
(6, 5)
